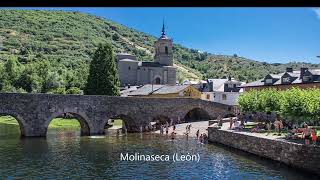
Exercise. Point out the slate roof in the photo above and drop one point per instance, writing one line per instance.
(295, 74)
(169, 89)
(157, 89)
(276, 76)
(259, 82)
(145, 90)
(315, 71)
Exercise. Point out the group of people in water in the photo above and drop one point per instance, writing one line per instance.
(164, 128)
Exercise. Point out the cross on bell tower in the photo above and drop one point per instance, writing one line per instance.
(163, 34)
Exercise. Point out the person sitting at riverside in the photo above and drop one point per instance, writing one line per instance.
(292, 134)
(306, 135)
(257, 129)
(236, 125)
(314, 136)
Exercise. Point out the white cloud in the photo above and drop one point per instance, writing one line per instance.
(317, 11)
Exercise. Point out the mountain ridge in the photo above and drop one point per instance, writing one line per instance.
(66, 40)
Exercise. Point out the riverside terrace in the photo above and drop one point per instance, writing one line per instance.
(34, 112)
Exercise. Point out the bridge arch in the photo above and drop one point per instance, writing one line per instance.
(19, 119)
(196, 114)
(81, 117)
(125, 120)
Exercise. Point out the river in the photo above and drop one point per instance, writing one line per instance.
(63, 154)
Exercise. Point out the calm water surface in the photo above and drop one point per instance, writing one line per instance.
(66, 155)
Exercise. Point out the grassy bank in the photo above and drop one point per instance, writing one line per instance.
(56, 123)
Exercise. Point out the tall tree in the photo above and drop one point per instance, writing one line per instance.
(103, 75)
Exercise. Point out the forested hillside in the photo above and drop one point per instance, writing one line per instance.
(50, 51)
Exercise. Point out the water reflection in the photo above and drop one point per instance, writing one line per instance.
(66, 155)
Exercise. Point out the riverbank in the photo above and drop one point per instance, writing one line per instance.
(195, 126)
(271, 147)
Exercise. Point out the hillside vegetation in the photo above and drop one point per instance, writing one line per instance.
(50, 51)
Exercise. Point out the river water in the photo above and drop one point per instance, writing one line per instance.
(63, 154)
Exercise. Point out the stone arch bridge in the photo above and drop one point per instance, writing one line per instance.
(34, 112)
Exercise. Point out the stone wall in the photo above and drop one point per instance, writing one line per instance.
(292, 154)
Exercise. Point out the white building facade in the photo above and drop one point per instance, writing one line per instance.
(224, 91)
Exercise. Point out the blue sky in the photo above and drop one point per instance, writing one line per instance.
(263, 34)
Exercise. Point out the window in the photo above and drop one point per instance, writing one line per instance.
(129, 68)
(166, 49)
(157, 80)
(230, 85)
(208, 96)
(306, 78)
(286, 79)
(268, 81)
(224, 97)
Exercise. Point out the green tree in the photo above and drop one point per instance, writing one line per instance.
(11, 69)
(103, 76)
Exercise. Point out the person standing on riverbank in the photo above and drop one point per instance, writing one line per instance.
(167, 128)
(201, 138)
(276, 126)
(314, 136)
(268, 127)
(161, 129)
(197, 134)
(280, 127)
(231, 122)
(220, 120)
(306, 134)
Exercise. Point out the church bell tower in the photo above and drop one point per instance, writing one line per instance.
(163, 49)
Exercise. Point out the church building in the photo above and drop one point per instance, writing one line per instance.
(160, 71)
